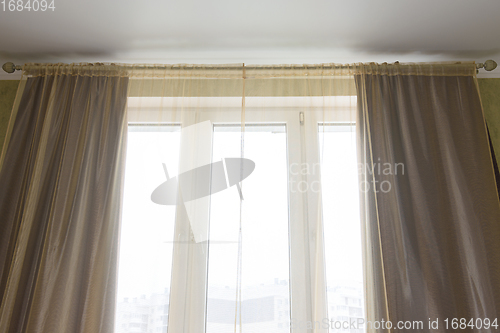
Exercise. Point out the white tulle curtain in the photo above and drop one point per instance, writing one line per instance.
(244, 99)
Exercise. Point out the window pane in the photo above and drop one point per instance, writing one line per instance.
(340, 195)
(147, 231)
(265, 250)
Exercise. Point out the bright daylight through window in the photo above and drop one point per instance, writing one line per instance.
(343, 260)
(264, 259)
(147, 231)
(265, 300)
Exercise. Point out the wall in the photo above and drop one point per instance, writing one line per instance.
(489, 88)
(8, 90)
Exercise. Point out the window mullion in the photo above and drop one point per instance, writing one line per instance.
(307, 275)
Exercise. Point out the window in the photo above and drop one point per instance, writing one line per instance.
(265, 244)
(293, 149)
(147, 229)
(343, 259)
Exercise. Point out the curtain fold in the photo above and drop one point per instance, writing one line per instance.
(60, 203)
(431, 215)
(494, 161)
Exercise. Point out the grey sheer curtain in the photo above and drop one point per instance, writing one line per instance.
(60, 202)
(431, 240)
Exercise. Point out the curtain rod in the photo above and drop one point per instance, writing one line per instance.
(10, 67)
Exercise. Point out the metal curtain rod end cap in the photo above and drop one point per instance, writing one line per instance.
(9, 67)
(490, 65)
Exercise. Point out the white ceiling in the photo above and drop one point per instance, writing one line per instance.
(253, 31)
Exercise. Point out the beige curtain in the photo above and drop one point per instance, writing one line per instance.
(60, 200)
(431, 241)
